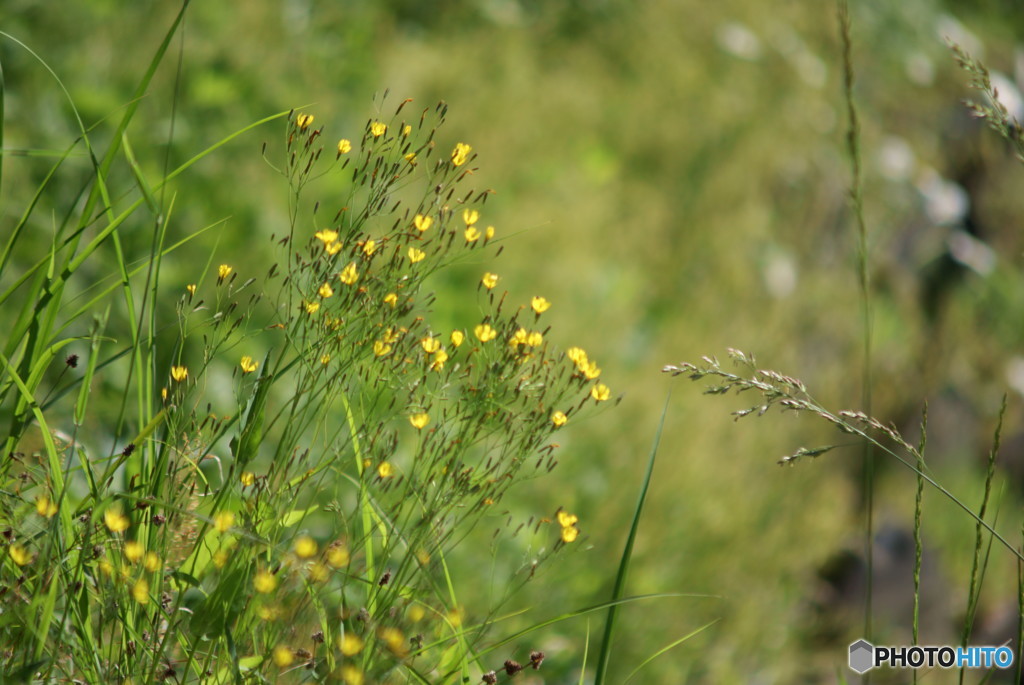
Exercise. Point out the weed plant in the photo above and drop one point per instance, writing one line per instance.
(292, 517)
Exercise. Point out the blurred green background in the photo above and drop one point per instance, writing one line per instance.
(671, 175)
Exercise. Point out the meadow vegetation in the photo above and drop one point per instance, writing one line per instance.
(293, 374)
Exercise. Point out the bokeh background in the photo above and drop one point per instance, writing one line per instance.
(671, 175)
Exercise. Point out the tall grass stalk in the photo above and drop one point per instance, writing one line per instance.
(864, 285)
(979, 561)
(918, 542)
(788, 393)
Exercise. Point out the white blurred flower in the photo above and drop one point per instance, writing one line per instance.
(945, 202)
(896, 160)
(739, 41)
(971, 252)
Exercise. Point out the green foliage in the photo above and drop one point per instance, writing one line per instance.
(298, 513)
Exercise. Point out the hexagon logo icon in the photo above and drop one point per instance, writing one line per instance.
(862, 656)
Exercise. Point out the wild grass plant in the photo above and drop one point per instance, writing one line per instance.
(781, 392)
(298, 455)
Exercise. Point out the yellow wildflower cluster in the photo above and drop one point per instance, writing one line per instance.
(568, 522)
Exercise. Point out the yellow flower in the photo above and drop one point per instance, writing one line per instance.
(534, 339)
(115, 520)
(223, 521)
(455, 616)
(422, 223)
(325, 291)
(326, 236)
(391, 299)
(44, 507)
(223, 271)
(489, 280)
(457, 338)
(411, 158)
(568, 523)
(133, 551)
(191, 288)
(393, 638)
(430, 344)
(416, 613)
(485, 333)
(416, 255)
(381, 348)
(471, 234)
(378, 128)
(470, 216)
(576, 355)
(559, 419)
(350, 644)
(268, 612)
(304, 120)
(385, 469)
(489, 233)
(19, 555)
(519, 338)
(369, 247)
(460, 154)
(349, 274)
(248, 364)
(406, 131)
(540, 305)
(265, 582)
(140, 591)
(589, 369)
(600, 392)
(179, 373)
(248, 479)
(419, 421)
(325, 359)
(344, 146)
(152, 562)
(283, 656)
(319, 573)
(312, 307)
(337, 555)
(332, 248)
(352, 675)
(305, 547)
(440, 357)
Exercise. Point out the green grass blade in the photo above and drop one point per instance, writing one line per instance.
(586, 651)
(604, 656)
(1, 124)
(669, 646)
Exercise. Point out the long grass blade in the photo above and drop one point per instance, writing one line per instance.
(604, 656)
(671, 645)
